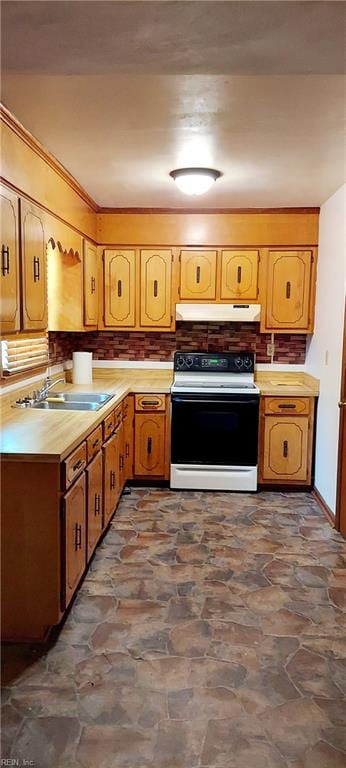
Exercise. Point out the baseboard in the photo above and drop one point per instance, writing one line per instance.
(324, 506)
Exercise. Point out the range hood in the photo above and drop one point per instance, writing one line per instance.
(218, 313)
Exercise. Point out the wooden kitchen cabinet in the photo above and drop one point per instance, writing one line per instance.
(94, 474)
(289, 291)
(119, 288)
(286, 441)
(111, 480)
(90, 283)
(150, 444)
(9, 271)
(197, 275)
(128, 437)
(74, 530)
(34, 268)
(156, 288)
(239, 274)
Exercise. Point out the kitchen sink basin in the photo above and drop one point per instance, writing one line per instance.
(82, 397)
(73, 401)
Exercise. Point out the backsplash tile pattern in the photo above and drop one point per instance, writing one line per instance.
(212, 337)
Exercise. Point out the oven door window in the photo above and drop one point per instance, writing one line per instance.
(208, 431)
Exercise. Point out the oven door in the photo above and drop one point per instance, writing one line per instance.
(214, 430)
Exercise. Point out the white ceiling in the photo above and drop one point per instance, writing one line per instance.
(123, 92)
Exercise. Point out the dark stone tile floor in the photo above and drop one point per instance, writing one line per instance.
(210, 632)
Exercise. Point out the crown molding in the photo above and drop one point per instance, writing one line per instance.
(11, 121)
(214, 211)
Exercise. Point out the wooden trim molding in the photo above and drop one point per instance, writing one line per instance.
(9, 119)
(103, 209)
(324, 506)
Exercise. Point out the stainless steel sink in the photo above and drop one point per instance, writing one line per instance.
(82, 397)
(74, 401)
(44, 406)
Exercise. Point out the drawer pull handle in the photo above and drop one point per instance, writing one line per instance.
(110, 425)
(198, 274)
(96, 442)
(150, 402)
(120, 290)
(78, 465)
(127, 450)
(97, 504)
(155, 288)
(36, 264)
(5, 260)
(112, 478)
(285, 449)
(78, 537)
(93, 285)
(288, 290)
(287, 405)
(149, 445)
(239, 275)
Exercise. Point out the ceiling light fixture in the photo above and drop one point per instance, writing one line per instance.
(194, 181)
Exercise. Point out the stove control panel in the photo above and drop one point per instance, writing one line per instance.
(227, 362)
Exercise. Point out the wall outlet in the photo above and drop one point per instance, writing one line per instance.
(270, 350)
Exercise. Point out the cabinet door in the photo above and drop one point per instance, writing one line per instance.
(90, 284)
(34, 268)
(75, 539)
(94, 507)
(9, 271)
(119, 288)
(288, 289)
(198, 275)
(156, 288)
(110, 477)
(239, 274)
(150, 444)
(128, 438)
(286, 448)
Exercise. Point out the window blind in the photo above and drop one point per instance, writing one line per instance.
(23, 354)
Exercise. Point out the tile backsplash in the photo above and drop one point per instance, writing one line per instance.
(212, 337)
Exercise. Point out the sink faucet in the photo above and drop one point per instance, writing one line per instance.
(42, 393)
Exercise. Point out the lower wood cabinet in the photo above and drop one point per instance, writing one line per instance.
(128, 437)
(151, 455)
(111, 481)
(94, 473)
(74, 530)
(286, 441)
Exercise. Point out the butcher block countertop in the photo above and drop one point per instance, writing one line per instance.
(287, 384)
(28, 434)
(50, 436)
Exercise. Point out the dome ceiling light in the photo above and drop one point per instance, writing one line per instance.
(194, 181)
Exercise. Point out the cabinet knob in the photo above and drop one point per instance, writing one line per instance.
(198, 274)
(239, 275)
(285, 449)
(149, 445)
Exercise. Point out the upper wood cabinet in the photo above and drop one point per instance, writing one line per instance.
(289, 291)
(119, 288)
(239, 274)
(198, 275)
(90, 271)
(9, 273)
(34, 268)
(156, 288)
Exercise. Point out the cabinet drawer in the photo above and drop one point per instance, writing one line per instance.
(288, 405)
(150, 403)
(74, 465)
(108, 425)
(94, 442)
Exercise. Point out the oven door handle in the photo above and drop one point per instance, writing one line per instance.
(225, 401)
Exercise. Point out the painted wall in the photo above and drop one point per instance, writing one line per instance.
(324, 354)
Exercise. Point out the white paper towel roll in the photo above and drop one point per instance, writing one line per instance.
(82, 371)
